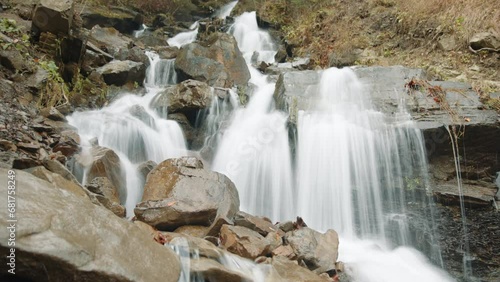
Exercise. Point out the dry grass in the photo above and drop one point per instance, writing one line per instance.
(460, 17)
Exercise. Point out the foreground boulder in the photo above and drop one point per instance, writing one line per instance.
(180, 192)
(66, 238)
(218, 61)
(318, 251)
(186, 96)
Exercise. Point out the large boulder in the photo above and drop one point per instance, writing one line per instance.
(318, 251)
(122, 19)
(63, 237)
(109, 39)
(184, 97)
(54, 16)
(180, 192)
(217, 61)
(122, 72)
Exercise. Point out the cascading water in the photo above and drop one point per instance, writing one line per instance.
(134, 131)
(225, 10)
(254, 150)
(355, 173)
(184, 38)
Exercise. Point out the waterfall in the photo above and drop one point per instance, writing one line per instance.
(356, 169)
(134, 131)
(184, 38)
(138, 33)
(162, 71)
(252, 41)
(225, 10)
(254, 151)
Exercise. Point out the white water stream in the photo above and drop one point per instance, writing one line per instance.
(134, 131)
(355, 170)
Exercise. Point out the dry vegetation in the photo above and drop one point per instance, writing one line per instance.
(391, 32)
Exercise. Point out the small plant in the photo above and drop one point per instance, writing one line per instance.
(56, 91)
(16, 38)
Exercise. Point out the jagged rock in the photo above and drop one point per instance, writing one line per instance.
(37, 80)
(109, 39)
(122, 19)
(15, 61)
(244, 242)
(134, 54)
(122, 72)
(485, 40)
(184, 97)
(478, 195)
(289, 271)
(145, 168)
(107, 195)
(53, 114)
(54, 16)
(286, 226)
(28, 147)
(167, 52)
(318, 251)
(104, 162)
(255, 223)
(301, 63)
(79, 239)
(180, 192)
(218, 61)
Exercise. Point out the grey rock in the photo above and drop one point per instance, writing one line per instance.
(318, 251)
(485, 40)
(185, 96)
(258, 224)
(54, 16)
(181, 192)
(122, 19)
(109, 39)
(122, 72)
(81, 241)
(218, 61)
